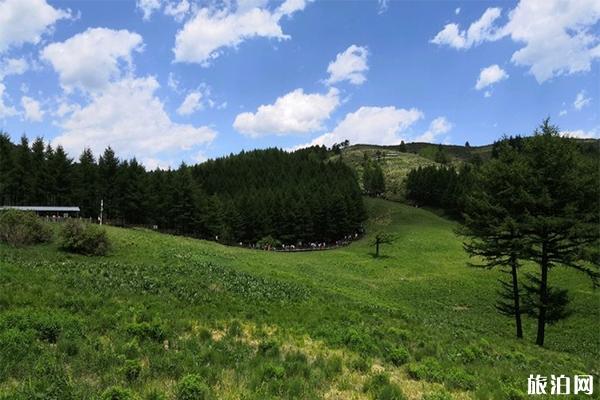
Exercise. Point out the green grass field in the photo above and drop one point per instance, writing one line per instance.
(416, 323)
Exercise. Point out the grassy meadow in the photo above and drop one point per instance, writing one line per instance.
(416, 323)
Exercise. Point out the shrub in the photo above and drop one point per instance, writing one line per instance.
(22, 228)
(268, 242)
(380, 388)
(147, 330)
(117, 393)
(191, 387)
(132, 370)
(398, 355)
(83, 238)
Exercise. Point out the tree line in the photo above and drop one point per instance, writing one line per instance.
(297, 197)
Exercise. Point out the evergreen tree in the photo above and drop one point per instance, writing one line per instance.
(108, 165)
(39, 172)
(493, 220)
(86, 185)
(561, 222)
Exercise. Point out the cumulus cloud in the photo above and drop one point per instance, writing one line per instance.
(129, 117)
(557, 36)
(26, 21)
(581, 100)
(205, 35)
(296, 112)
(490, 75)
(31, 109)
(89, 60)
(5, 110)
(13, 66)
(479, 31)
(177, 10)
(191, 103)
(374, 125)
(581, 134)
(437, 127)
(147, 7)
(350, 65)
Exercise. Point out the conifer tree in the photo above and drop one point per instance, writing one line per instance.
(561, 223)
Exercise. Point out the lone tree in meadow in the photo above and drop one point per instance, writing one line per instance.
(493, 225)
(537, 202)
(561, 219)
(381, 239)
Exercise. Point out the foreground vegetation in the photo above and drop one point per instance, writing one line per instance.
(170, 317)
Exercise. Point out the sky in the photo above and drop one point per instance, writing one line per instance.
(168, 81)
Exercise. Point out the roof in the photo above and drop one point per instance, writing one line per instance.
(42, 208)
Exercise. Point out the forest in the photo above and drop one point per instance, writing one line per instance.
(268, 195)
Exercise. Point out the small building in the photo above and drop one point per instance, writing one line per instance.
(47, 211)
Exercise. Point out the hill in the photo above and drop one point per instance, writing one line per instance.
(254, 324)
(396, 161)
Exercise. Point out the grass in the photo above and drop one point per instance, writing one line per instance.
(164, 315)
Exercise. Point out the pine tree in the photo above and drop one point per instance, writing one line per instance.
(86, 185)
(108, 165)
(493, 225)
(562, 211)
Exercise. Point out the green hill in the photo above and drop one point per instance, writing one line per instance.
(254, 325)
(395, 165)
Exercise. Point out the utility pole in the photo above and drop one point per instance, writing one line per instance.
(101, 210)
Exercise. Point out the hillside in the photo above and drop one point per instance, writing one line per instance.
(395, 165)
(256, 324)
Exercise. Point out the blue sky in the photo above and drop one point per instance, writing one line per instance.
(173, 80)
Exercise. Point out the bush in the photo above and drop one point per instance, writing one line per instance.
(147, 330)
(117, 393)
(191, 387)
(398, 355)
(22, 228)
(268, 242)
(79, 237)
(380, 388)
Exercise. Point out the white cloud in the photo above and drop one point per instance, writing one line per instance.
(148, 7)
(562, 113)
(25, 21)
(557, 35)
(581, 100)
(581, 134)
(295, 112)
(490, 75)
(177, 10)
(457, 11)
(479, 31)
(89, 60)
(206, 34)
(373, 125)
(32, 109)
(437, 127)
(350, 65)
(13, 66)
(383, 6)
(191, 103)
(5, 110)
(131, 119)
